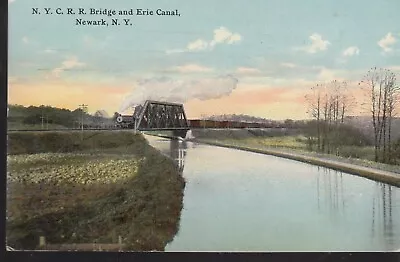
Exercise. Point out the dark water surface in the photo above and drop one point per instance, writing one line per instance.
(241, 201)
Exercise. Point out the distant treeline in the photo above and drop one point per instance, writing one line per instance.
(288, 123)
(47, 115)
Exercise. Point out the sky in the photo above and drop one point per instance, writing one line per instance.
(255, 57)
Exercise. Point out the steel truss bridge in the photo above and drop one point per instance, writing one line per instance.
(156, 115)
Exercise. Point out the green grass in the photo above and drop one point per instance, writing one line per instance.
(362, 156)
(295, 142)
(20, 126)
(365, 152)
(74, 141)
(298, 143)
(112, 184)
(288, 142)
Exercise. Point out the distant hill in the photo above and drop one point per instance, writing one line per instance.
(239, 118)
(101, 113)
(364, 123)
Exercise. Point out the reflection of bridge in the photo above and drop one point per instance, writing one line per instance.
(178, 153)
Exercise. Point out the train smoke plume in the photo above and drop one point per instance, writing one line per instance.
(179, 91)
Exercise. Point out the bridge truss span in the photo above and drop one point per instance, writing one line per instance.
(157, 115)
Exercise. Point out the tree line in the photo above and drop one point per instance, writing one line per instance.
(330, 103)
(37, 115)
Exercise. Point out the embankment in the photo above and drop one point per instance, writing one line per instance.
(111, 185)
(236, 139)
(242, 133)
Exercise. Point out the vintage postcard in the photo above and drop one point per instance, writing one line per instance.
(256, 126)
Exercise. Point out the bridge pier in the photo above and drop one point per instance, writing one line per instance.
(181, 133)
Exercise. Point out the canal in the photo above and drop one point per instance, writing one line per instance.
(241, 201)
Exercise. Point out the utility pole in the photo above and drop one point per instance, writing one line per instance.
(83, 107)
(134, 119)
(42, 117)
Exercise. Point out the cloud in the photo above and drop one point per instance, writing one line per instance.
(25, 39)
(351, 51)
(221, 36)
(386, 42)
(317, 44)
(247, 71)
(68, 64)
(49, 51)
(275, 101)
(179, 91)
(395, 68)
(175, 51)
(327, 75)
(199, 44)
(190, 68)
(288, 65)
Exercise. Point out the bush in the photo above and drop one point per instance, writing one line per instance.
(396, 151)
(357, 152)
(343, 135)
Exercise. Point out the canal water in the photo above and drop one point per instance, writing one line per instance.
(241, 201)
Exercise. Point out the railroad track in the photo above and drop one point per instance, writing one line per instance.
(65, 129)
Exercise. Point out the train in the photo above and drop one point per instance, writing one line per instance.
(200, 123)
(128, 121)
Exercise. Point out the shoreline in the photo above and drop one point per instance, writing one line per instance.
(390, 178)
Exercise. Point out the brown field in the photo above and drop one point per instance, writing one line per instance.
(110, 186)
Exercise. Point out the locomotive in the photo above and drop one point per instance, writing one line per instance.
(127, 121)
(124, 121)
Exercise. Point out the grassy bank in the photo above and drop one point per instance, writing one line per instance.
(20, 126)
(299, 143)
(107, 185)
(285, 141)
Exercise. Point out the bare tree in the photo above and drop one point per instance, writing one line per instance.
(328, 104)
(382, 96)
(314, 101)
(393, 103)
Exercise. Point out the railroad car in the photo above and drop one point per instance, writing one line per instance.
(195, 123)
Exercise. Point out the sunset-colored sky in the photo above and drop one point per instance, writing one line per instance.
(255, 57)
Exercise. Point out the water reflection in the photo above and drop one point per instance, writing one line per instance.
(330, 182)
(331, 192)
(178, 152)
(382, 210)
(174, 148)
(241, 201)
